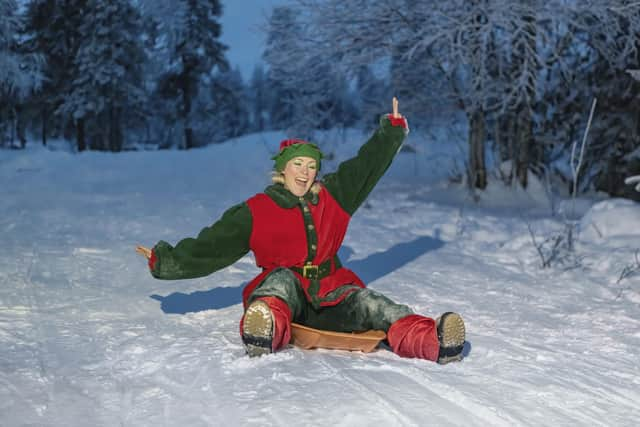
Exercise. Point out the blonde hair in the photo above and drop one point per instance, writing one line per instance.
(278, 178)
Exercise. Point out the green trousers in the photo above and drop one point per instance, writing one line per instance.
(361, 310)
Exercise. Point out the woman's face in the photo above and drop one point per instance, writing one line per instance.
(299, 175)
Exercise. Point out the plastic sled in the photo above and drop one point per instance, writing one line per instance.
(308, 338)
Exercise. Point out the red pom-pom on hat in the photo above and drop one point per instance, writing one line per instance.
(289, 142)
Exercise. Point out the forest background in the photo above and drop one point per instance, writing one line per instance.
(522, 76)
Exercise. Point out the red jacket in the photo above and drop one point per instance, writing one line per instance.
(280, 238)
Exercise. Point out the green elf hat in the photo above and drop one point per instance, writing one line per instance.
(290, 148)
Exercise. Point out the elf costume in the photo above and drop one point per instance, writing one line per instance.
(295, 240)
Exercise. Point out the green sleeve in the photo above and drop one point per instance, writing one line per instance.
(355, 178)
(216, 247)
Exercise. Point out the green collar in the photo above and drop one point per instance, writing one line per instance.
(285, 198)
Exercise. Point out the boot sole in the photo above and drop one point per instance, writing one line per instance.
(257, 329)
(451, 332)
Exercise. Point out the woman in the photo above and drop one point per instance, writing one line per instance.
(295, 229)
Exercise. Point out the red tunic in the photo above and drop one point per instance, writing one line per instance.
(279, 239)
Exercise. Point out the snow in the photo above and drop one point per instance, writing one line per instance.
(87, 334)
(615, 217)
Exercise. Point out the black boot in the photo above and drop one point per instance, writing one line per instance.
(451, 335)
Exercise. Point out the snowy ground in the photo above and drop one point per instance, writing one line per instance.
(88, 337)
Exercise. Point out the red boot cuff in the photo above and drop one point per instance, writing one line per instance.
(281, 321)
(414, 336)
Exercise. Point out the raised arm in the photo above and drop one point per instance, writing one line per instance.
(216, 247)
(355, 178)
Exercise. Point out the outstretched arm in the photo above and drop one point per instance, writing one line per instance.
(355, 178)
(216, 247)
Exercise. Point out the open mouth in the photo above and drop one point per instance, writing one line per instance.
(302, 182)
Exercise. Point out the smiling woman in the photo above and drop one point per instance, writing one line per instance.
(296, 166)
(295, 228)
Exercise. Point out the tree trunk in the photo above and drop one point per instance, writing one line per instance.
(82, 144)
(504, 137)
(44, 126)
(20, 127)
(115, 136)
(13, 130)
(524, 140)
(186, 104)
(477, 166)
(119, 133)
(477, 130)
(511, 150)
(525, 55)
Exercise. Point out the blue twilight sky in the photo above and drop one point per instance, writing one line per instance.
(243, 31)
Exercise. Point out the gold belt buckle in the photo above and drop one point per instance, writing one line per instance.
(310, 271)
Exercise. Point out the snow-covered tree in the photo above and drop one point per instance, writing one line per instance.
(282, 55)
(498, 57)
(227, 107)
(611, 30)
(195, 53)
(162, 31)
(53, 31)
(452, 37)
(309, 87)
(487, 50)
(371, 91)
(258, 95)
(106, 88)
(20, 70)
(323, 101)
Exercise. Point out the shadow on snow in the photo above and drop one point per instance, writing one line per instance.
(380, 264)
(216, 298)
(369, 269)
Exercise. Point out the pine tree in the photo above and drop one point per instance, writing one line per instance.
(230, 107)
(20, 72)
(196, 54)
(107, 85)
(309, 87)
(53, 31)
(281, 52)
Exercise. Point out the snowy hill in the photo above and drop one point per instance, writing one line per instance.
(87, 336)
